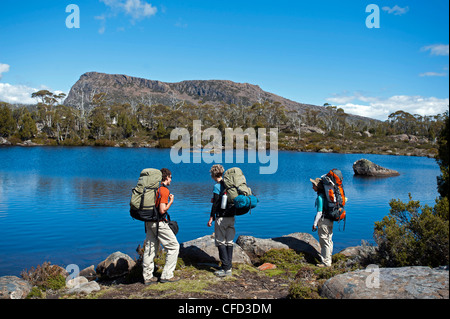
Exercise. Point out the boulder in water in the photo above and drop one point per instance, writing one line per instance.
(364, 167)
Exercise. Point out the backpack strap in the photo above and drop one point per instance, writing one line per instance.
(160, 217)
(141, 205)
(345, 219)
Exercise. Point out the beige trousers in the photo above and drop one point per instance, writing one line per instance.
(167, 238)
(325, 231)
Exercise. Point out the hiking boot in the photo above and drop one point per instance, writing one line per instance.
(223, 273)
(322, 265)
(220, 273)
(151, 281)
(173, 279)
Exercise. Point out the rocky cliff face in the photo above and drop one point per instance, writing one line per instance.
(133, 90)
(123, 88)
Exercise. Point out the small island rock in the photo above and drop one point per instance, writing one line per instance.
(364, 167)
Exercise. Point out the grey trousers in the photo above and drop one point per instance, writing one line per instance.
(224, 231)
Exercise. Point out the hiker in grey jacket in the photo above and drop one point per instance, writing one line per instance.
(224, 223)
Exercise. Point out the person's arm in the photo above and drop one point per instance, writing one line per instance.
(163, 207)
(165, 200)
(319, 204)
(216, 202)
(316, 220)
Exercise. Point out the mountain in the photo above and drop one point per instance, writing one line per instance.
(127, 89)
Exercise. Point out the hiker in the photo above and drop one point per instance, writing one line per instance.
(160, 233)
(322, 224)
(224, 223)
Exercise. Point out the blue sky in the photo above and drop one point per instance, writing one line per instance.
(312, 52)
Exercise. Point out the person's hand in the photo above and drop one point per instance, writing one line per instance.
(171, 196)
(314, 228)
(209, 224)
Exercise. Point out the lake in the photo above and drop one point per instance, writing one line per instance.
(70, 205)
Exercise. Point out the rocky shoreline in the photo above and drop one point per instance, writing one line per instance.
(356, 279)
(286, 145)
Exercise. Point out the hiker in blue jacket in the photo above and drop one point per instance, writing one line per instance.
(224, 223)
(322, 224)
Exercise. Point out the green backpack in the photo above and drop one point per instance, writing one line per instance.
(143, 196)
(235, 185)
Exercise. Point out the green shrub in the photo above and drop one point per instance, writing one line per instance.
(304, 285)
(286, 259)
(45, 276)
(413, 235)
(15, 139)
(299, 290)
(35, 293)
(104, 142)
(165, 143)
(55, 282)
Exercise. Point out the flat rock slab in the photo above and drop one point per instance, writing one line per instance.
(204, 250)
(12, 287)
(85, 288)
(389, 283)
(300, 242)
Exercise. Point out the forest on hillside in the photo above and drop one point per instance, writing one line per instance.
(50, 122)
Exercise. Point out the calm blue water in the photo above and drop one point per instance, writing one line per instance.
(71, 205)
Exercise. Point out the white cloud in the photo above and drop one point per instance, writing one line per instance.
(181, 24)
(380, 108)
(396, 10)
(345, 98)
(136, 9)
(16, 93)
(3, 69)
(21, 94)
(436, 49)
(102, 18)
(365, 110)
(433, 74)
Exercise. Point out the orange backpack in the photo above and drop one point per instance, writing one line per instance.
(334, 192)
